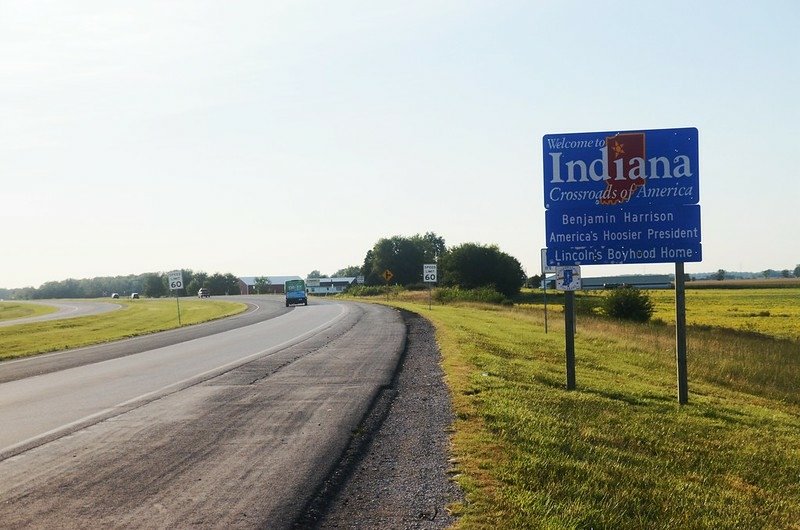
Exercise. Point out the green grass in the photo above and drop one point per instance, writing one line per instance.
(12, 310)
(771, 312)
(137, 317)
(618, 452)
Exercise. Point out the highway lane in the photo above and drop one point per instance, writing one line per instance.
(232, 429)
(38, 407)
(260, 308)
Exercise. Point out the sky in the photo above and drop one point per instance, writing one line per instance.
(281, 137)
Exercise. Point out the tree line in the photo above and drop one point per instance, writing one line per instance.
(722, 274)
(151, 284)
(468, 266)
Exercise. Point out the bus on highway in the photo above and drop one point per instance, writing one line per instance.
(295, 292)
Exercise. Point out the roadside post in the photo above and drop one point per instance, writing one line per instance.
(429, 276)
(387, 276)
(545, 270)
(175, 279)
(680, 334)
(568, 279)
(626, 197)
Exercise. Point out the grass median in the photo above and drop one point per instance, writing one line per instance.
(618, 452)
(12, 310)
(137, 317)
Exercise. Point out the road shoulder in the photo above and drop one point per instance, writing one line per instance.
(395, 473)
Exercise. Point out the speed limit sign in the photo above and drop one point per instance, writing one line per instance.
(175, 279)
(429, 273)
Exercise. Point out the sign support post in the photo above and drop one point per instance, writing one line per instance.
(430, 276)
(568, 279)
(387, 276)
(680, 334)
(569, 334)
(545, 302)
(545, 269)
(175, 279)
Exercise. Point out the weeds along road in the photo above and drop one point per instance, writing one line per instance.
(237, 428)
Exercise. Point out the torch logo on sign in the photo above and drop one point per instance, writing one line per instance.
(622, 150)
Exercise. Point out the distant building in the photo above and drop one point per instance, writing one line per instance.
(329, 285)
(640, 281)
(247, 284)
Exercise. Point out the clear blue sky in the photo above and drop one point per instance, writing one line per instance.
(259, 137)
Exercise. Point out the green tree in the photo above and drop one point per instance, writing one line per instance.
(432, 246)
(153, 285)
(397, 254)
(720, 275)
(797, 272)
(403, 256)
(348, 272)
(223, 284)
(471, 265)
(262, 285)
(534, 282)
(194, 281)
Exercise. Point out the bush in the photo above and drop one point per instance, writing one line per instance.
(482, 294)
(628, 303)
(366, 290)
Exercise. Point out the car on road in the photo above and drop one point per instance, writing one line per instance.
(295, 292)
(114, 295)
(204, 292)
(134, 296)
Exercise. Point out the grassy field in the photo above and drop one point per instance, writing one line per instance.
(771, 312)
(138, 317)
(619, 452)
(11, 310)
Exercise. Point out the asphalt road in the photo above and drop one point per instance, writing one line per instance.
(236, 428)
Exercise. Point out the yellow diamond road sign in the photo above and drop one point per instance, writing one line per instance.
(387, 275)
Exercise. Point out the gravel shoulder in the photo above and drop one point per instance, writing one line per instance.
(396, 472)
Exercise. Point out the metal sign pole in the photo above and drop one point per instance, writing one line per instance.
(569, 333)
(680, 334)
(545, 302)
(175, 281)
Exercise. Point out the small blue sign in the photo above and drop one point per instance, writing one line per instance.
(594, 170)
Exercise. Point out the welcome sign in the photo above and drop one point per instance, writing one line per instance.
(622, 197)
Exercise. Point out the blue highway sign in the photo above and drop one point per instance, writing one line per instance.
(622, 197)
(588, 170)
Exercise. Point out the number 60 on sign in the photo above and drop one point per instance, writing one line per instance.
(429, 273)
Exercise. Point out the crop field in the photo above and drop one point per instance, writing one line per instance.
(770, 312)
(137, 317)
(619, 452)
